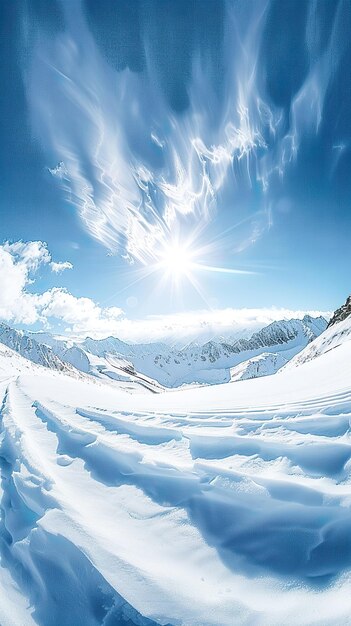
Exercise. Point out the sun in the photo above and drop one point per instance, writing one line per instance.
(176, 260)
(179, 263)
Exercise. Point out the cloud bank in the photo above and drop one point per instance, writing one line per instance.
(80, 316)
(201, 325)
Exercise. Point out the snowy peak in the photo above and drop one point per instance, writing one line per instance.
(284, 331)
(275, 334)
(59, 345)
(110, 345)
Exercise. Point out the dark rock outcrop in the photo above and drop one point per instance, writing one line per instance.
(342, 313)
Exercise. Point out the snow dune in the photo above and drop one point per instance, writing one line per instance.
(214, 506)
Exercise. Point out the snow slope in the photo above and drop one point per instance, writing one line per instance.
(210, 506)
(333, 337)
(264, 364)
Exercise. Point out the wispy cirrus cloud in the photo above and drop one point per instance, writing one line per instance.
(130, 193)
(146, 149)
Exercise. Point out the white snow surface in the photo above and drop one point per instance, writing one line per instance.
(213, 506)
(331, 338)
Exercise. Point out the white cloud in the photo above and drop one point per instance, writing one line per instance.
(61, 266)
(31, 254)
(19, 262)
(15, 303)
(82, 315)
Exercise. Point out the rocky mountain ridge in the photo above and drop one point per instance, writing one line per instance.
(38, 353)
(342, 313)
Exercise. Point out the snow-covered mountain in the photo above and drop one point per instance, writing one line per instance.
(105, 365)
(197, 365)
(12, 363)
(211, 506)
(31, 349)
(59, 345)
(210, 363)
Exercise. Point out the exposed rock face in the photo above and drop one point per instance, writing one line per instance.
(342, 313)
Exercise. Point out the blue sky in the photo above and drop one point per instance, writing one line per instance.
(219, 131)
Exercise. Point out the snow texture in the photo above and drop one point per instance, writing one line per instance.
(211, 506)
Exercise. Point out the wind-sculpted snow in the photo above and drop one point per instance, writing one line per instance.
(211, 506)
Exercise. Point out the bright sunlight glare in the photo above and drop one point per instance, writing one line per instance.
(176, 260)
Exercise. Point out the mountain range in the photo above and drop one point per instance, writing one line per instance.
(155, 364)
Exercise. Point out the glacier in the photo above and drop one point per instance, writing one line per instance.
(204, 506)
